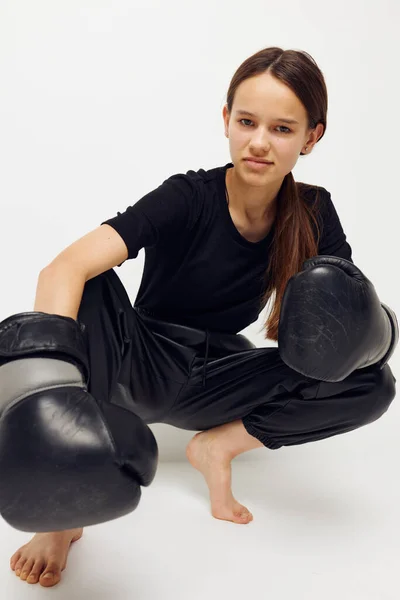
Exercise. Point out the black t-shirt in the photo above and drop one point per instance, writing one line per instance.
(199, 270)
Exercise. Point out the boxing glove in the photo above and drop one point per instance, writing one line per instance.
(332, 322)
(65, 460)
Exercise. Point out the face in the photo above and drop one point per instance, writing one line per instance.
(264, 134)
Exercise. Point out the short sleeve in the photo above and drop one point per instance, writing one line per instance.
(333, 240)
(159, 216)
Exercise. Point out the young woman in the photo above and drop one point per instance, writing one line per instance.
(219, 245)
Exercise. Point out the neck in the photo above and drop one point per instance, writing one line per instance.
(255, 203)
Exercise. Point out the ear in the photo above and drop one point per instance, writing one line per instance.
(226, 117)
(315, 135)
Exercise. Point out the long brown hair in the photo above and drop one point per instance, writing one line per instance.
(296, 235)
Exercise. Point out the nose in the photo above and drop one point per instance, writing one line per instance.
(260, 141)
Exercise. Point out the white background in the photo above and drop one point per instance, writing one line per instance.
(100, 102)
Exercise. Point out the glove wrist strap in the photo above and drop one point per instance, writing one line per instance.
(37, 334)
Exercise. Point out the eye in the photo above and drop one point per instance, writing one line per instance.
(241, 120)
(282, 126)
(279, 126)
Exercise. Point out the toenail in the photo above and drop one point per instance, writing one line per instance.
(18, 572)
(48, 576)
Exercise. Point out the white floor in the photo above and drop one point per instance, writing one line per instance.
(326, 525)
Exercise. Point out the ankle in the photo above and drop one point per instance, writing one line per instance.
(67, 533)
(219, 446)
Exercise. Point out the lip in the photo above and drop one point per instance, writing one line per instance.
(257, 164)
(259, 160)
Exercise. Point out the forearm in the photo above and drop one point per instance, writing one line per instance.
(59, 290)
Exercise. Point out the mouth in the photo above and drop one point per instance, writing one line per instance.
(258, 164)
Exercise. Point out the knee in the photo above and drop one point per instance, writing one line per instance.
(381, 394)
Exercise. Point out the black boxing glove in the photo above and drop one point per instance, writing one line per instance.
(65, 461)
(332, 322)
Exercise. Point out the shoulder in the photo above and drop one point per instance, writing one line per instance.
(319, 201)
(179, 198)
(195, 179)
(313, 194)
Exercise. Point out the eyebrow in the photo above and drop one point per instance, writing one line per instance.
(245, 112)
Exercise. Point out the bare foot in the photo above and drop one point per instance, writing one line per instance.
(44, 557)
(204, 455)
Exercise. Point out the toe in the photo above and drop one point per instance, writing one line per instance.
(51, 575)
(49, 579)
(33, 577)
(19, 566)
(244, 516)
(35, 572)
(27, 568)
(14, 559)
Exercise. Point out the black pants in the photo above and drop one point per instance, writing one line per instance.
(156, 369)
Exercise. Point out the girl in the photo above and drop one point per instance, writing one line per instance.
(220, 244)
